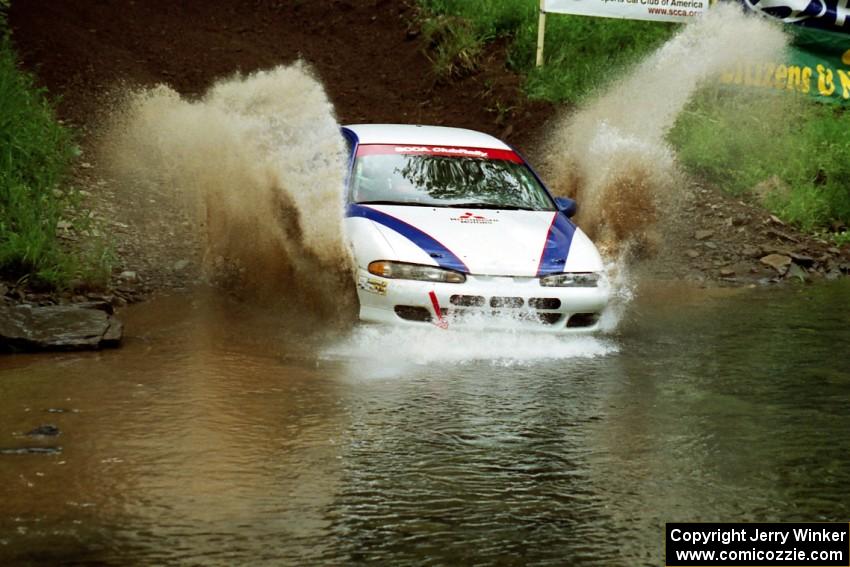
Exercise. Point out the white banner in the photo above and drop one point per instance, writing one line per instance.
(656, 10)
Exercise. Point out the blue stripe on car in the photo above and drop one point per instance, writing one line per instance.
(354, 140)
(444, 257)
(557, 247)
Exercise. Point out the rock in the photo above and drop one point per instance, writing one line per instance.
(703, 234)
(100, 304)
(781, 235)
(833, 250)
(3, 289)
(113, 334)
(46, 430)
(129, 276)
(692, 253)
(57, 327)
(64, 225)
(727, 272)
(180, 265)
(751, 251)
(781, 250)
(778, 262)
(776, 220)
(802, 259)
(710, 245)
(795, 271)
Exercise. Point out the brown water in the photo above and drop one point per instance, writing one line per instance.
(224, 434)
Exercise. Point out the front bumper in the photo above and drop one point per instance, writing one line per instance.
(483, 301)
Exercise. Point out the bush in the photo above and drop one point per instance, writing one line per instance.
(35, 153)
(454, 46)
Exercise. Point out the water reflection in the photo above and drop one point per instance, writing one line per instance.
(224, 433)
(441, 180)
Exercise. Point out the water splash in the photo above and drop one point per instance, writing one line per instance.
(622, 292)
(258, 163)
(611, 155)
(397, 348)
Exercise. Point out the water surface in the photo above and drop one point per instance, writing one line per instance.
(224, 434)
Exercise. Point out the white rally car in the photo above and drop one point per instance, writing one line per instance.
(451, 225)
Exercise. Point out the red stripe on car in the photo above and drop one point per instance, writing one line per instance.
(449, 151)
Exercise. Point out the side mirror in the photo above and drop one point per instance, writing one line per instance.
(566, 205)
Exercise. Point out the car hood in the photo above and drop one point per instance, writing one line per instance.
(478, 241)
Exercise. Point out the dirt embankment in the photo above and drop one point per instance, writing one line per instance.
(366, 52)
(370, 57)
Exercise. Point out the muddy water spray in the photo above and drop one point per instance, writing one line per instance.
(612, 155)
(258, 163)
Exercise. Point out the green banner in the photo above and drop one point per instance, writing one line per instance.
(825, 55)
(818, 62)
(818, 65)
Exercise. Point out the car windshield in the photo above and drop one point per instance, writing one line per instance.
(492, 179)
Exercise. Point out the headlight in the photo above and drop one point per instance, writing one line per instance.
(402, 271)
(587, 279)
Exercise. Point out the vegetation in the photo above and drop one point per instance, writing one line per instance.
(789, 151)
(581, 53)
(35, 154)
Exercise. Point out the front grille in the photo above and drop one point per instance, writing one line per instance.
(549, 318)
(510, 302)
(577, 320)
(467, 300)
(413, 313)
(544, 303)
(544, 318)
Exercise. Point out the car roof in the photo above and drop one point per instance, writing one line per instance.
(424, 135)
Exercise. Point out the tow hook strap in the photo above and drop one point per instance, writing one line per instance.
(441, 323)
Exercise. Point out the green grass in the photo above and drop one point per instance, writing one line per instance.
(582, 53)
(788, 151)
(793, 150)
(454, 46)
(35, 154)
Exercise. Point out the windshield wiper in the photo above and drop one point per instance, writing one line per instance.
(489, 206)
